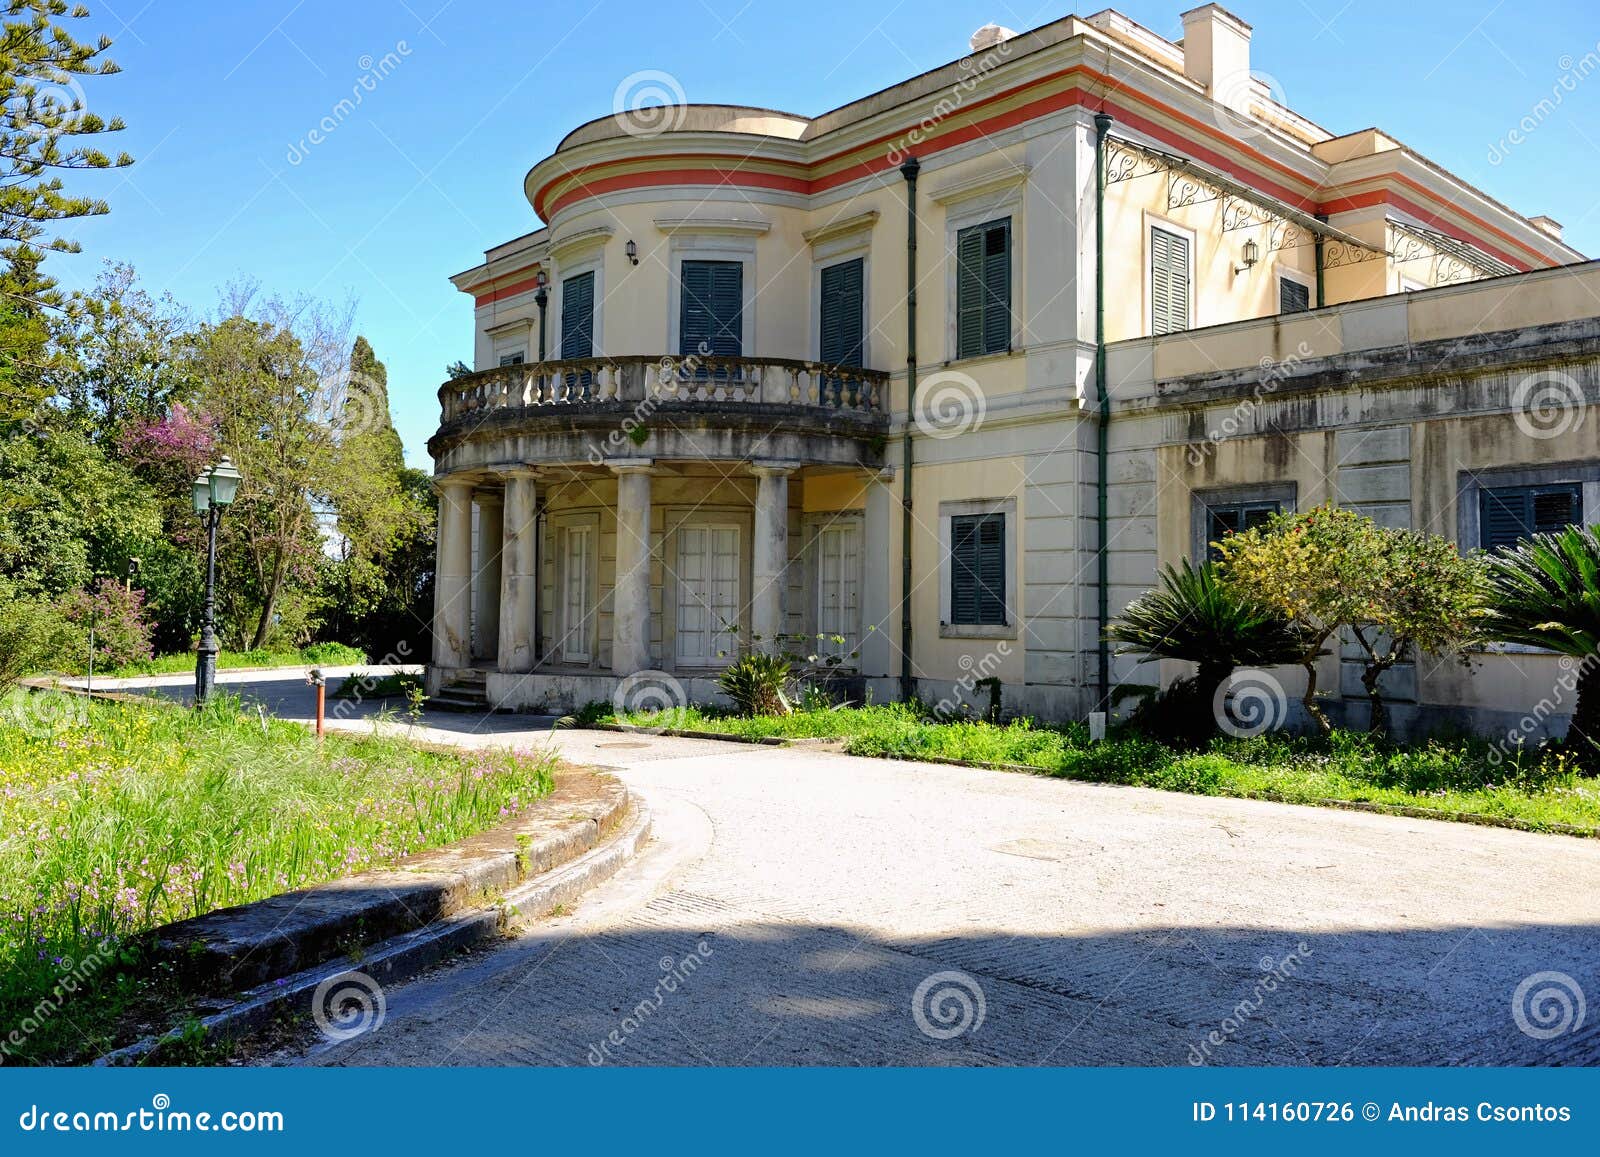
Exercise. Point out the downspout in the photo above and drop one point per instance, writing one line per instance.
(909, 171)
(1317, 254)
(1102, 126)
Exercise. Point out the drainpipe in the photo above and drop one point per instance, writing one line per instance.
(1317, 253)
(539, 508)
(1102, 126)
(909, 171)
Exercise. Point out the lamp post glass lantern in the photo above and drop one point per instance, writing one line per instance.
(213, 490)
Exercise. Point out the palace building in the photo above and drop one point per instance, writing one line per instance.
(949, 372)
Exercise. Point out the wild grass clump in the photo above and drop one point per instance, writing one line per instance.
(116, 818)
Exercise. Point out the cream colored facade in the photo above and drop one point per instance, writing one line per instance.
(614, 516)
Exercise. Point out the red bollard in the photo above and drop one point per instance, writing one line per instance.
(316, 678)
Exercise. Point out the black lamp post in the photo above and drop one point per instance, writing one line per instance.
(541, 298)
(214, 489)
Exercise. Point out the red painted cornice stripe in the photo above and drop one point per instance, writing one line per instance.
(505, 291)
(683, 177)
(730, 162)
(1389, 197)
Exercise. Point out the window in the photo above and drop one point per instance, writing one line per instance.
(837, 576)
(841, 319)
(577, 582)
(707, 570)
(1225, 518)
(1169, 281)
(1293, 296)
(1508, 514)
(511, 359)
(978, 570)
(711, 310)
(983, 289)
(577, 316)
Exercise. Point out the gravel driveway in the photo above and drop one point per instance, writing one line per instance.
(800, 907)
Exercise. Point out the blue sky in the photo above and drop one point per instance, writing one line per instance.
(427, 172)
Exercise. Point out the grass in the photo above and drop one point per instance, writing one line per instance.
(362, 685)
(316, 655)
(1447, 777)
(117, 818)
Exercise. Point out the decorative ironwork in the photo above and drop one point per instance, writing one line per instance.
(1450, 260)
(1238, 213)
(1125, 162)
(1337, 253)
(1189, 183)
(1184, 189)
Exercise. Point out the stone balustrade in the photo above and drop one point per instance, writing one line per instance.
(718, 381)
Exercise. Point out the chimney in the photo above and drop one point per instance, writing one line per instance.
(1549, 224)
(1216, 53)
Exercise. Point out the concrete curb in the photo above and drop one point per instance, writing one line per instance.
(251, 944)
(718, 736)
(402, 957)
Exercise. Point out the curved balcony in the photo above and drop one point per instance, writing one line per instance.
(591, 409)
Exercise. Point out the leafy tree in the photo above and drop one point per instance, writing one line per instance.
(262, 384)
(1424, 595)
(1329, 568)
(1545, 592)
(457, 370)
(68, 512)
(1312, 569)
(33, 635)
(1197, 618)
(119, 361)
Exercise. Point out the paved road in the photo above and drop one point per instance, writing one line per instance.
(795, 904)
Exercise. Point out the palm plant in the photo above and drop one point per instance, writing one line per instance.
(756, 684)
(1545, 592)
(1196, 617)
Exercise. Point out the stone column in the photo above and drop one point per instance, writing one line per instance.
(518, 582)
(769, 556)
(880, 576)
(630, 603)
(486, 582)
(452, 590)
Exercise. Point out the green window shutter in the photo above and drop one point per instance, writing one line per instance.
(1169, 282)
(1292, 296)
(983, 289)
(842, 320)
(978, 570)
(577, 316)
(1509, 514)
(711, 309)
(969, 293)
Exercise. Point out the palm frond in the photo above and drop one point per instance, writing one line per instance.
(1197, 617)
(1545, 592)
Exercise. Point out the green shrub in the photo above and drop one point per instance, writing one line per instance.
(333, 655)
(756, 684)
(33, 636)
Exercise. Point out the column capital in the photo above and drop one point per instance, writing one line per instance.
(774, 466)
(457, 482)
(632, 465)
(489, 497)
